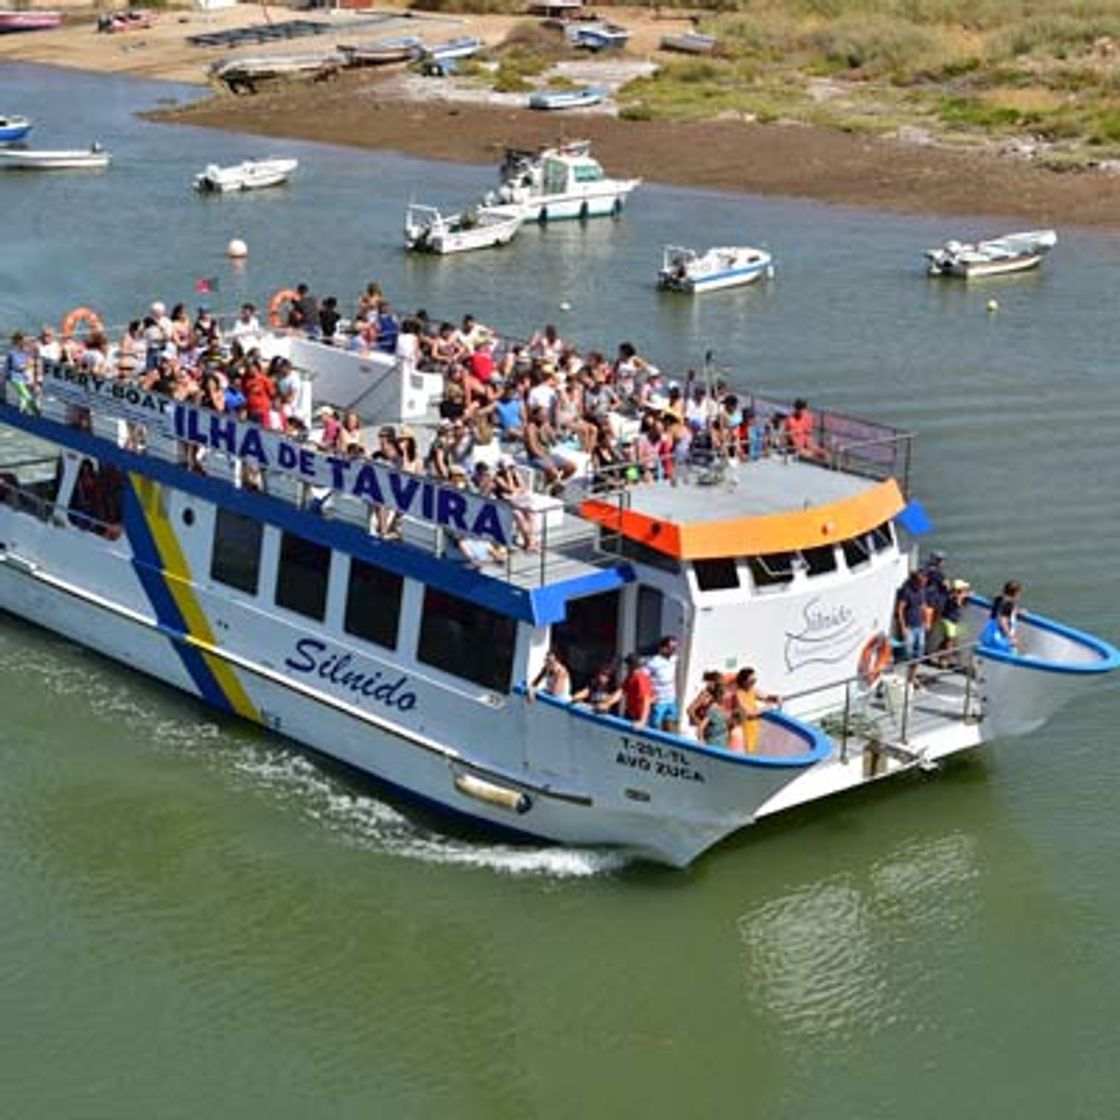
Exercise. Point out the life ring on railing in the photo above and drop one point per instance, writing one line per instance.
(875, 656)
(81, 315)
(285, 295)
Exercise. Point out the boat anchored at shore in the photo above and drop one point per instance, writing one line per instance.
(394, 621)
(1015, 252)
(567, 98)
(686, 270)
(558, 182)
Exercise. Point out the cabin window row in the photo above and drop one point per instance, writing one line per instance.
(778, 568)
(456, 636)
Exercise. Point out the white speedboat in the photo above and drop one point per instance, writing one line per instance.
(686, 270)
(559, 182)
(94, 157)
(427, 230)
(567, 98)
(249, 175)
(1015, 252)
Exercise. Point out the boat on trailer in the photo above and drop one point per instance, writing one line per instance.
(13, 129)
(249, 569)
(686, 270)
(562, 181)
(249, 175)
(427, 230)
(1014, 252)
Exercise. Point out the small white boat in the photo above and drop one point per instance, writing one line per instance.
(598, 35)
(1016, 252)
(94, 157)
(382, 52)
(463, 47)
(13, 129)
(249, 175)
(685, 270)
(688, 42)
(566, 98)
(426, 230)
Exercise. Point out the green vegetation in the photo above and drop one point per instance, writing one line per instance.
(967, 70)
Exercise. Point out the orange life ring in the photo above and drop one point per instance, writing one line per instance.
(875, 656)
(285, 295)
(81, 315)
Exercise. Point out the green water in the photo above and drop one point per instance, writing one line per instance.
(198, 920)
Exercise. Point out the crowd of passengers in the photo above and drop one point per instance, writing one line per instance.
(547, 404)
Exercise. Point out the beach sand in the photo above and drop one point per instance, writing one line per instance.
(400, 112)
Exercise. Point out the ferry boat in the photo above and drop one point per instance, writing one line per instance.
(245, 567)
(563, 181)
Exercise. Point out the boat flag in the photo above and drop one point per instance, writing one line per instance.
(206, 284)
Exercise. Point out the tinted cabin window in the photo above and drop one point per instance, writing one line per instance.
(651, 605)
(373, 604)
(236, 557)
(881, 537)
(716, 575)
(301, 583)
(468, 640)
(588, 637)
(773, 569)
(635, 550)
(857, 551)
(819, 560)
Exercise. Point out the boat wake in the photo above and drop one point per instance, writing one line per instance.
(369, 822)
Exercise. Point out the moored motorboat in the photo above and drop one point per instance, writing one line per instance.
(13, 129)
(427, 230)
(327, 598)
(1014, 252)
(29, 20)
(567, 98)
(94, 158)
(686, 270)
(563, 181)
(250, 174)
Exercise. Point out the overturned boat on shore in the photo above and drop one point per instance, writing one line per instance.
(242, 75)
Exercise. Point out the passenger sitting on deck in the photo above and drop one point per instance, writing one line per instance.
(555, 677)
(510, 487)
(602, 694)
(539, 439)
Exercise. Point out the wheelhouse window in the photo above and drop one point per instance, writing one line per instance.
(857, 551)
(882, 537)
(235, 559)
(373, 604)
(773, 569)
(467, 639)
(720, 574)
(820, 560)
(301, 582)
(635, 550)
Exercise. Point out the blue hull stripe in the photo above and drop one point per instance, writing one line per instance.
(539, 606)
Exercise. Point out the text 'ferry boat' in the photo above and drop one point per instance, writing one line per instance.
(324, 596)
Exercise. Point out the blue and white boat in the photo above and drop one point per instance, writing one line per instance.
(686, 270)
(567, 98)
(391, 620)
(598, 35)
(462, 47)
(14, 129)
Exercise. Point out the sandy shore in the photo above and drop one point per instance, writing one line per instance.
(428, 117)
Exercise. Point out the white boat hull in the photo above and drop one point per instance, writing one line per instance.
(685, 271)
(601, 203)
(54, 160)
(249, 176)
(443, 236)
